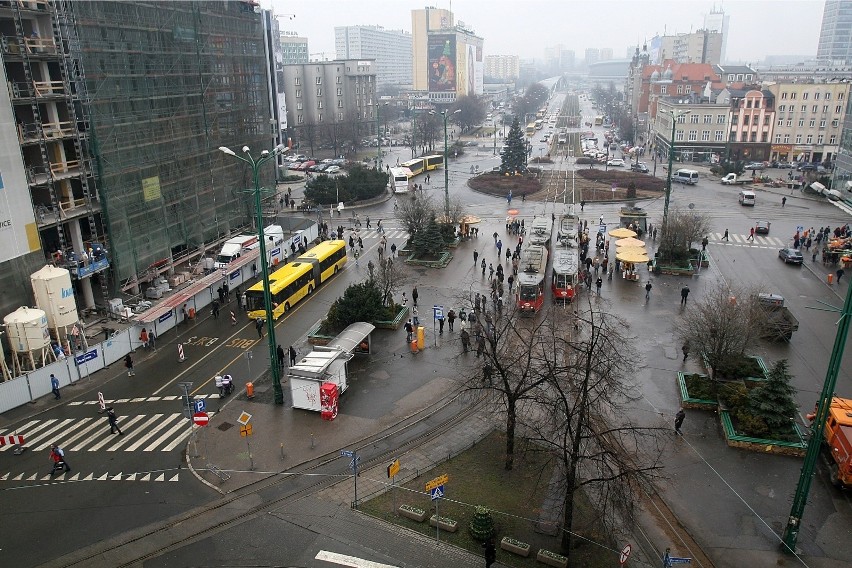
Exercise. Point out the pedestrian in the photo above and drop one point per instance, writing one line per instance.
(600, 221)
(414, 296)
(54, 386)
(704, 242)
(499, 245)
(185, 314)
(490, 552)
(783, 202)
(128, 364)
(393, 249)
(685, 350)
(480, 345)
(279, 352)
(483, 266)
(451, 317)
(409, 331)
(813, 257)
(648, 290)
(582, 205)
(510, 280)
(475, 256)
(684, 294)
(293, 353)
(679, 420)
(215, 309)
(242, 301)
(415, 316)
(57, 455)
(598, 284)
(113, 422)
(404, 300)
(441, 325)
(725, 237)
(258, 325)
(508, 255)
(465, 340)
(839, 274)
(360, 243)
(495, 235)
(751, 234)
(143, 338)
(490, 271)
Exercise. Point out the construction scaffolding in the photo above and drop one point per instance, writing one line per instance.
(166, 84)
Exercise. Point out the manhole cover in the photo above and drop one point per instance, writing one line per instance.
(225, 426)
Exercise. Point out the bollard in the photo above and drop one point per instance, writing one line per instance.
(250, 390)
(282, 450)
(312, 440)
(830, 278)
(413, 346)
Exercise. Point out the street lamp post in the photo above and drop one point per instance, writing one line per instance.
(445, 115)
(674, 116)
(379, 138)
(414, 130)
(494, 127)
(255, 165)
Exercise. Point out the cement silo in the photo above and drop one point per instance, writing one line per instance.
(54, 295)
(29, 339)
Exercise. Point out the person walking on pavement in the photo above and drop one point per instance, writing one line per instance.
(685, 350)
(490, 552)
(679, 417)
(483, 266)
(684, 294)
(475, 256)
(598, 284)
(279, 352)
(54, 386)
(414, 296)
(143, 337)
(839, 274)
(128, 364)
(258, 325)
(725, 236)
(215, 309)
(783, 202)
(499, 245)
(465, 340)
(451, 317)
(113, 422)
(57, 455)
(704, 242)
(751, 235)
(409, 331)
(648, 290)
(293, 354)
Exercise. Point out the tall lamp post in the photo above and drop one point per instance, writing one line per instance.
(445, 115)
(255, 165)
(674, 116)
(379, 137)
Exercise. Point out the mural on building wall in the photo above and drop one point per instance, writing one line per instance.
(442, 63)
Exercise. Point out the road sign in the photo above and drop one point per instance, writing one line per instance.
(676, 560)
(438, 312)
(346, 453)
(393, 469)
(352, 463)
(245, 430)
(800, 229)
(199, 405)
(200, 418)
(244, 418)
(440, 480)
(625, 554)
(437, 492)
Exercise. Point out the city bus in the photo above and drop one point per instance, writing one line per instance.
(541, 113)
(530, 129)
(398, 181)
(434, 162)
(327, 258)
(416, 166)
(598, 120)
(287, 286)
(539, 124)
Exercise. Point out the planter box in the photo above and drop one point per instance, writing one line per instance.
(316, 338)
(413, 513)
(515, 546)
(551, 558)
(441, 262)
(395, 323)
(674, 270)
(443, 523)
(760, 362)
(690, 402)
(778, 447)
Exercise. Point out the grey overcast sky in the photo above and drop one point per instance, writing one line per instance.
(526, 27)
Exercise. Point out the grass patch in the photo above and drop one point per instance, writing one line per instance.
(477, 477)
(699, 386)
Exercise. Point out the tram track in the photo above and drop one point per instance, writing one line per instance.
(136, 546)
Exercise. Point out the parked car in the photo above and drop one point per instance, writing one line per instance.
(785, 165)
(616, 162)
(304, 166)
(332, 169)
(754, 166)
(640, 167)
(790, 256)
(806, 167)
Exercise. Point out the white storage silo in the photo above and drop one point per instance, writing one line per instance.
(55, 295)
(29, 338)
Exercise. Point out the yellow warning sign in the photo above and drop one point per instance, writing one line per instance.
(393, 469)
(244, 418)
(245, 430)
(440, 480)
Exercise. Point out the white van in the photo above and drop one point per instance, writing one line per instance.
(746, 198)
(689, 177)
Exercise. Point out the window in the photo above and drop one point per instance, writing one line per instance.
(782, 108)
(681, 119)
(764, 137)
(780, 122)
(339, 104)
(679, 136)
(719, 136)
(720, 119)
(746, 120)
(834, 123)
(705, 135)
(822, 123)
(804, 108)
(812, 123)
(733, 136)
(339, 92)
(810, 139)
(298, 93)
(300, 119)
(708, 119)
(801, 122)
(814, 108)
(804, 96)
(793, 96)
(789, 122)
(832, 139)
(662, 89)
(783, 96)
(319, 80)
(680, 89)
(298, 81)
(786, 139)
(748, 103)
(798, 138)
(816, 96)
(754, 136)
(687, 89)
(777, 138)
(319, 91)
(824, 109)
(828, 96)
(839, 96)
(319, 104)
(338, 79)
(299, 105)
(339, 116)
(838, 109)
(693, 118)
(820, 139)
(319, 117)
(766, 120)
(693, 135)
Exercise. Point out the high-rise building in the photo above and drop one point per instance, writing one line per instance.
(112, 122)
(702, 46)
(293, 48)
(390, 48)
(502, 66)
(835, 37)
(422, 23)
(605, 54)
(717, 21)
(593, 55)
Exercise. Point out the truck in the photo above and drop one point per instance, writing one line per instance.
(837, 435)
(235, 247)
(733, 179)
(778, 322)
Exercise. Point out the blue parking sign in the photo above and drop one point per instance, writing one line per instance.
(199, 405)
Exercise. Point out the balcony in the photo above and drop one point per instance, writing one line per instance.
(31, 133)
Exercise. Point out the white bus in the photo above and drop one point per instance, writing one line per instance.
(398, 181)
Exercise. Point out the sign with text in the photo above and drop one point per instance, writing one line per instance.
(440, 480)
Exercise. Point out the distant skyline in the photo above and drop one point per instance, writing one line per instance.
(527, 27)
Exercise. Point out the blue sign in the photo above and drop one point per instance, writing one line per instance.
(235, 274)
(199, 405)
(164, 317)
(437, 492)
(676, 560)
(275, 252)
(87, 356)
(438, 312)
(346, 453)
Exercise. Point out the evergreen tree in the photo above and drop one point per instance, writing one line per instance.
(481, 526)
(428, 241)
(773, 401)
(513, 158)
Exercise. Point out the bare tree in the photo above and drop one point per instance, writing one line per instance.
(388, 277)
(416, 212)
(721, 324)
(683, 229)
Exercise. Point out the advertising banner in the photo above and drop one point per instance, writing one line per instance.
(442, 63)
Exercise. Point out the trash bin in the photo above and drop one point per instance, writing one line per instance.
(250, 390)
(413, 346)
(421, 337)
(830, 278)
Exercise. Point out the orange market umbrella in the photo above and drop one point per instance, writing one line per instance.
(622, 233)
(470, 220)
(629, 242)
(512, 212)
(631, 255)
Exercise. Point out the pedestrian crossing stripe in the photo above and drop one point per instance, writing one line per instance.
(141, 399)
(77, 476)
(744, 239)
(390, 234)
(142, 432)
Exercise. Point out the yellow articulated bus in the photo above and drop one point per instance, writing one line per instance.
(434, 162)
(327, 259)
(530, 129)
(287, 286)
(416, 166)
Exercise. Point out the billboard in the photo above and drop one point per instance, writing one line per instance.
(442, 63)
(18, 231)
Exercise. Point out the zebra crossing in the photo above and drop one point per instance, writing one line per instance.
(141, 399)
(147, 476)
(141, 433)
(389, 233)
(760, 241)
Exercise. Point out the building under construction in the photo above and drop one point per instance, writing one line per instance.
(118, 109)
